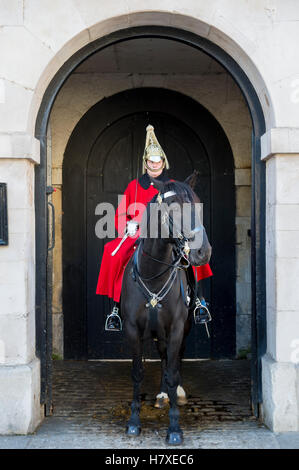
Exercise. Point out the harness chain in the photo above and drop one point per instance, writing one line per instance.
(183, 251)
(154, 298)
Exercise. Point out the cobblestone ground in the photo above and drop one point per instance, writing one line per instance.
(91, 407)
(96, 396)
(217, 392)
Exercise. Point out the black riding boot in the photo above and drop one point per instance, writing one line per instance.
(201, 311)
(198, 304)
(191, 287)
(113, 320)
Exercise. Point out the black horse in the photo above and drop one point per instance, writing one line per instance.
(154, 293)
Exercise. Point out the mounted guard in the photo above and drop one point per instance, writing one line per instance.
(118, 252)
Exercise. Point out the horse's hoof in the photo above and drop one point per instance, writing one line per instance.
(174, 438)
(161, 402)
(133, 430)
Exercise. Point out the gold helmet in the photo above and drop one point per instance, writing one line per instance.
(153, 150)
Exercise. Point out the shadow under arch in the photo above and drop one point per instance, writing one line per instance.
(258, 265)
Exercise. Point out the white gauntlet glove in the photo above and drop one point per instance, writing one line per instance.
(132, 228)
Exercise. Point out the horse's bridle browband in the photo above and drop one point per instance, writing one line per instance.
(160, 196)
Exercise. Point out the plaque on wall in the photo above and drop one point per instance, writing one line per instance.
(3, 215)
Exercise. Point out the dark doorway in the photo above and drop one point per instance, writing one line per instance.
(258, 265)
(102, 156)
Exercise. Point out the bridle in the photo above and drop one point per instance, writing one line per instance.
(181, 242)
(180, 262)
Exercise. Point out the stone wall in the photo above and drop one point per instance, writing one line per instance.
(19, 369)
(221, 96)
(36, 40)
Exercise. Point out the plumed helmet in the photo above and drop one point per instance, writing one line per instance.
(153, 150)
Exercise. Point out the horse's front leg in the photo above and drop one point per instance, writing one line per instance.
(174, 433)
(181, 394)
(134, 425)
(162, 397)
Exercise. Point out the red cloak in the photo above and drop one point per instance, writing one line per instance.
(112, 267)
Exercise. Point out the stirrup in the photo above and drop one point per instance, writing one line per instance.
(116, 321)
(203, 316)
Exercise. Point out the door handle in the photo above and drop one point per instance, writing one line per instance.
(50, 247)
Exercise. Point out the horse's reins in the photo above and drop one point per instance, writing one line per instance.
(156, 276)
(183, 251)
(153, 298)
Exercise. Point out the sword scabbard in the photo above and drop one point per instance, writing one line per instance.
(120, 244)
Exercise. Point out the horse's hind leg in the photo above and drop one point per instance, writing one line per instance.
(162, 397)
(181, 394)
(134, 425)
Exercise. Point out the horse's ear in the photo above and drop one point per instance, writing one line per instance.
(158, 184)
(192, 179)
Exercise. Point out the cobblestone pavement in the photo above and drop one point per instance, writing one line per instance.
(91, 406)
(217, 391)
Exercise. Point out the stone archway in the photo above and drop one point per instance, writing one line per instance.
(258, 180)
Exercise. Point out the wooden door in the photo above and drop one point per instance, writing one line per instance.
(99, 163)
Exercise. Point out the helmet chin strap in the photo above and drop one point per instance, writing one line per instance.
(154, 170)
